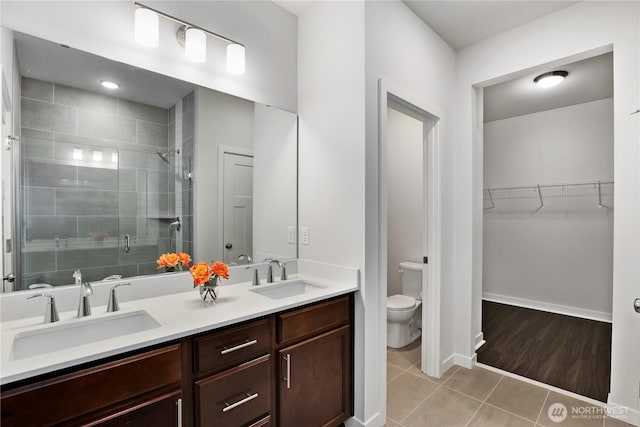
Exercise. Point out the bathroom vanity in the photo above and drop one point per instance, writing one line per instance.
(286, 366)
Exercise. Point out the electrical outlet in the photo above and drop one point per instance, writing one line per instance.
(304, 235)
(291, 234)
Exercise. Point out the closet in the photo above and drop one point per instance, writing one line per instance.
(548, 228)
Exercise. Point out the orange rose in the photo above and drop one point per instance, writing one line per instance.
(201, 273)
(185, 259)
(220, 269)
(168, 260)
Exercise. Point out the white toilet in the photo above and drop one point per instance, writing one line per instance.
(404, 312)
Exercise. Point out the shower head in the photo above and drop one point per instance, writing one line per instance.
(177, 224)
(164, 155)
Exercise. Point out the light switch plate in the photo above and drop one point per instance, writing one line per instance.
(304, 235)
(291, 234)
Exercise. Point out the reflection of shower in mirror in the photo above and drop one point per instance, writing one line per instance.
(164, 155)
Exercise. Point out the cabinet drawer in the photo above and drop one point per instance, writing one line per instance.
(236, 397)
(58, 399)
(232, 346)
(313, 320)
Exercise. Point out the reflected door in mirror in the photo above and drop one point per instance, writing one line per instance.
(237, 206)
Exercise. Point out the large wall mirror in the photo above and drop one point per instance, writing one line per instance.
(105, 180)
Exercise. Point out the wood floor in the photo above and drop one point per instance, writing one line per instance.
(567, 352)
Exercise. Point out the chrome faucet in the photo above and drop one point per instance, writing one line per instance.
(256, 278)
(51, 315)
(283, 270)
(113, 305)
(247, 257)
(84, 307)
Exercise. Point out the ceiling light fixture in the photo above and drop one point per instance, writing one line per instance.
(550, 79)
(109, 84)
(194, 40)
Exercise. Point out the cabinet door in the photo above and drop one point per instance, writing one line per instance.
(315, 385)
(162, 411)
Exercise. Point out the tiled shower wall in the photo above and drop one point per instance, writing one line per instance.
(91, 174)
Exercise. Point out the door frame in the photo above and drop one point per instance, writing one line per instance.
(222, 150)
(392, 96)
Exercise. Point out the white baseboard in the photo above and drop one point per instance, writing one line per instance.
(447, 364)
(374, 421)
(623, 413)
(465, 361)
(545, 306)
(479, 341)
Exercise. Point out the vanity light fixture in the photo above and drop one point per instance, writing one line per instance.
(194, 40)
(550, 79)
(109, 84)
(147, 31)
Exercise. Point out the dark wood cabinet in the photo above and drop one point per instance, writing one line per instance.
(315, 385)
(162, 411)
(235, 397)
(292, 368)
(65, 399)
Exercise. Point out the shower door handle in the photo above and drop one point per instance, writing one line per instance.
(127, 243)
(636, 305)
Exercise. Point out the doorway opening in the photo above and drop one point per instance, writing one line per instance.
(409, 209)
(547, 239)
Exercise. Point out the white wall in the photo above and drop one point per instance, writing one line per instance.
(405, 201)
(331, 159)
(106, 29)
(411, 59)
(559, 257)
(275, 153)
(220, 119)
(570, 34)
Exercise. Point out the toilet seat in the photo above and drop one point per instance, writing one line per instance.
(400, 302)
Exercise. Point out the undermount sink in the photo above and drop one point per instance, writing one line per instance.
(75, 333)
(288, 289)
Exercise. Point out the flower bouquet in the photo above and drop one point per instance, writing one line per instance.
(207, 277)
(174, 261)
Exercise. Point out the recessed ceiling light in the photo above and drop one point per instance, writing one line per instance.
(550, 79)
(109, 85)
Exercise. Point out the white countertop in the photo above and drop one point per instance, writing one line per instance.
(180, 314)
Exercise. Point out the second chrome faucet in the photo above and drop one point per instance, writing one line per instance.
(84, 306)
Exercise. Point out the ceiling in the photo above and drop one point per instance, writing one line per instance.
(461, 23)
(588, 80)
(44, 60)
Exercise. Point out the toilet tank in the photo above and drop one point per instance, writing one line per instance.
(411, 278)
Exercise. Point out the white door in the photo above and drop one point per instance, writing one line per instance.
(237, 233)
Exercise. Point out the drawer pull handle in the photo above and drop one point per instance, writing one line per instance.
(288, 378)
(247, 343)
(230, 406)
(179, 403)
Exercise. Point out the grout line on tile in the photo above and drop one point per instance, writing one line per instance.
(484, 401)
(509, 412)
(542, 408)
(421, 402)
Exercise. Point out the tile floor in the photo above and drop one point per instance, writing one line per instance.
(475, 397)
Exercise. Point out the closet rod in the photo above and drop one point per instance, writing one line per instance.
(547, 186)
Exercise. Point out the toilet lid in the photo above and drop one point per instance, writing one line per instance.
(400, 302)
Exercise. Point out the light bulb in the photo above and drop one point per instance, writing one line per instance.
(195, 45)
(147, 31)
(235, 58)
